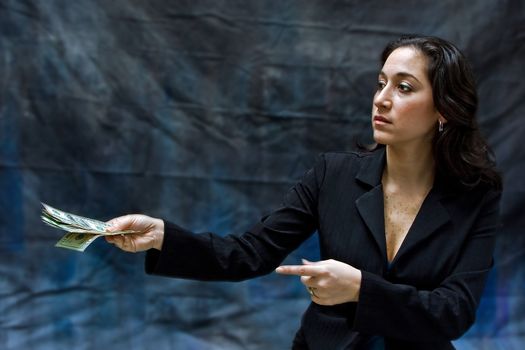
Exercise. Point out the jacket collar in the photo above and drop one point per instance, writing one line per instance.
(371, 171)
(370, 205)
(371, 174)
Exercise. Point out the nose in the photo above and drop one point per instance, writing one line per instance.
(382, 99)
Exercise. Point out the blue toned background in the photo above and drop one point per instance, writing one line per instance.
(205, 113)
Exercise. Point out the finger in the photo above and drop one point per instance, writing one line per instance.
(308, 262)
(116, 240)
(129, 244)
(298, 270)
(314, 294)
(309, 281)
(113, 239)
(114, 224)
(120, 223)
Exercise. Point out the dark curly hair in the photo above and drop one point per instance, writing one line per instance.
(460, 152)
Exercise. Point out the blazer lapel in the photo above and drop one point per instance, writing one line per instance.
(370, 204)
(431, 216)
(371, 208)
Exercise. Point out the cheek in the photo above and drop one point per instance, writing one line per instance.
(417, 113)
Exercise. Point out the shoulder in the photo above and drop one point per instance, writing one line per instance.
(348, 157)
(488, 195)
(479, 193)
(481, 201)
(342, 166)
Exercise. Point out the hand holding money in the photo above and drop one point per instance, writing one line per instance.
(151, 232)
(82, 231)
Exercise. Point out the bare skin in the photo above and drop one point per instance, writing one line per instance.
(151, 236)
(404, 190)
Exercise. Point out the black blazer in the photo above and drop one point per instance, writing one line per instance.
(426, 297)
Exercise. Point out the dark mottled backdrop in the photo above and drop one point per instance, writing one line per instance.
(205, 112)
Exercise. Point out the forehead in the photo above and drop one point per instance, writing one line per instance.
(407, 60)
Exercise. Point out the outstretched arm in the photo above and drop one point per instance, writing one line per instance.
(207, 256)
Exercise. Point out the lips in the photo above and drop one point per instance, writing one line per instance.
(379, 119)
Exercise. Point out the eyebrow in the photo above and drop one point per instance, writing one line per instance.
(403, 75)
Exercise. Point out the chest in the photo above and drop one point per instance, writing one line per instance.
(400, 212)
(354, 230)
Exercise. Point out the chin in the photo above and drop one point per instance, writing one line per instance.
(382, 139)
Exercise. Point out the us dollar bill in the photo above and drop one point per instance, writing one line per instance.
(82, 231)
(77, 241)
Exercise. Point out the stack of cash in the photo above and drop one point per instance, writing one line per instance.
(82, 231)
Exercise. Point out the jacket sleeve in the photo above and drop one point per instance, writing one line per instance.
(446, 312)
(208, 256)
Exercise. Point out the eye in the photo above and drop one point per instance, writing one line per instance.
(380, 85)
(404, 87)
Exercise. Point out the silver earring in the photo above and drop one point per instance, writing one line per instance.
(440, 128)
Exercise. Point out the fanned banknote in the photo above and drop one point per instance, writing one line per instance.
(82, 231)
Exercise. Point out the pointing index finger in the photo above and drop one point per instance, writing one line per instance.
(298, 270)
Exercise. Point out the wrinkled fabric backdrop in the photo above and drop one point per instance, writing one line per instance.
(205, 113)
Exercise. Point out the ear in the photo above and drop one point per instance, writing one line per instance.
(442, 119)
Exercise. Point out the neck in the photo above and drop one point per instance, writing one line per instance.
(409, 169)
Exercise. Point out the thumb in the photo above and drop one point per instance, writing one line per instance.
(119, 224)
(307, 262)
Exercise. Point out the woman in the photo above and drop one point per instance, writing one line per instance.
(406, 230)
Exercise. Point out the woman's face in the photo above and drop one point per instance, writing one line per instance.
(403, 111)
